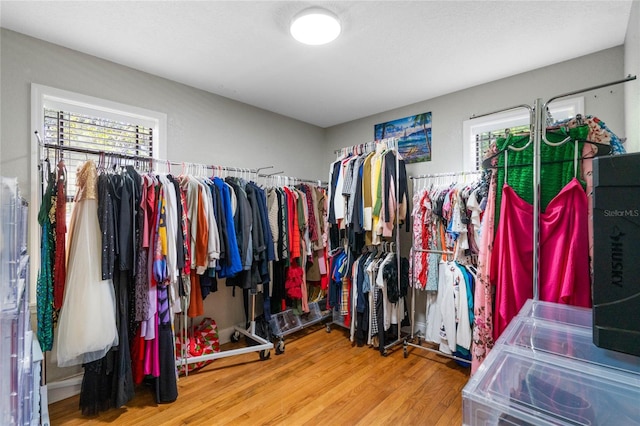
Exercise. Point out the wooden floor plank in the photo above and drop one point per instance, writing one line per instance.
(320, 379)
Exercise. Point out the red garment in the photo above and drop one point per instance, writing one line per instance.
(186, 232)
(293, 225)
(293, 282)
(347, 317)
(200, 251)
(564, 253)
(137, 358)
(60, 262)
(149, 211)
(196, 307)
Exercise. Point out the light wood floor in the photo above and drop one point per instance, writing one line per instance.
(320, 379)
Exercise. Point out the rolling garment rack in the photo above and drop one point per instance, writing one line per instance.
(408, 341)
(148, 164)
(538, 113)
(366, 148)
(286, 322)
(538, 116)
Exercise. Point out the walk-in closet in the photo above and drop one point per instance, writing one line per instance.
(288, 213)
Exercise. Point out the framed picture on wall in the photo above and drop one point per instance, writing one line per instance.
(414, 133)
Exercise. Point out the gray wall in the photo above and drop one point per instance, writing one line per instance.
(202, 127)
(632, 90)
(449, 111)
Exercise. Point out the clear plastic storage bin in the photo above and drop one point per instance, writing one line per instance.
(545, 370)
(563, 314)
(313, 316)
(284, 323)
(17, 375)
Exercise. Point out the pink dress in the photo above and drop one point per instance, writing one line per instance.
(564, 253)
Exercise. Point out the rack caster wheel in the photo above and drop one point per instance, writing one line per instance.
(404, 352)
(280, 347)
(328, 330)
(235, 337)
(265, 355)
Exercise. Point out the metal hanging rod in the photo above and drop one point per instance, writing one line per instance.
(150, 160)
(90, 151)
(501, 110)
(447, 252)
(545, 106)
(537, 112)
(575, 92)
(366, 147)
(259, 169)
(293, 179)
(452, 174)
(419, 346)
(599, 86)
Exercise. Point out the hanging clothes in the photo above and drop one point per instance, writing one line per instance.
(60, 265)
(87, 326)
(483, 297)
(564, 278)
(45, 284)
(363, 199)
(153, 246)
(557, 165)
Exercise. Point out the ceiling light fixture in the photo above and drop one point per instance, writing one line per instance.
(315, 26)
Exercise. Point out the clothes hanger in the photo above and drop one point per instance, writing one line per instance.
(600, 150)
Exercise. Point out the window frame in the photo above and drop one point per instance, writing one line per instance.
(49, 97)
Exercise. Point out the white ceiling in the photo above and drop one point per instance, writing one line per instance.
(390, 53)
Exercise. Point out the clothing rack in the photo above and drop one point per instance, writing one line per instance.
(263, 346)
(538, 119)
(449, 174)
(366, 148)
(278, 179)
(363, 148)
(438, 177)
(409, 341)
(186, 166)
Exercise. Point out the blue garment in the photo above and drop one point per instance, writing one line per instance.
(264, 216)
(468, 280)
(267, 253)
(335, 280)
(360, 300)
(234, 264)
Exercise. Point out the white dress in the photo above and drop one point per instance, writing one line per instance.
(87, 323)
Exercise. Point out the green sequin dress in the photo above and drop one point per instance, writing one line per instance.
(44, 286)
(556, 170)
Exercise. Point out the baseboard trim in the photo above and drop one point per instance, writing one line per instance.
(63, 389)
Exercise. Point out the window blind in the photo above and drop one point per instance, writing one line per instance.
(79, 138)
(485, 139)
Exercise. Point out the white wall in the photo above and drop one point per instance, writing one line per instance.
(632, 90)
(449, 111)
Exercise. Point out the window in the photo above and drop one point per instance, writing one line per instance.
(78, 132)
(80, 122)
(485, 139)
(479, 133)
